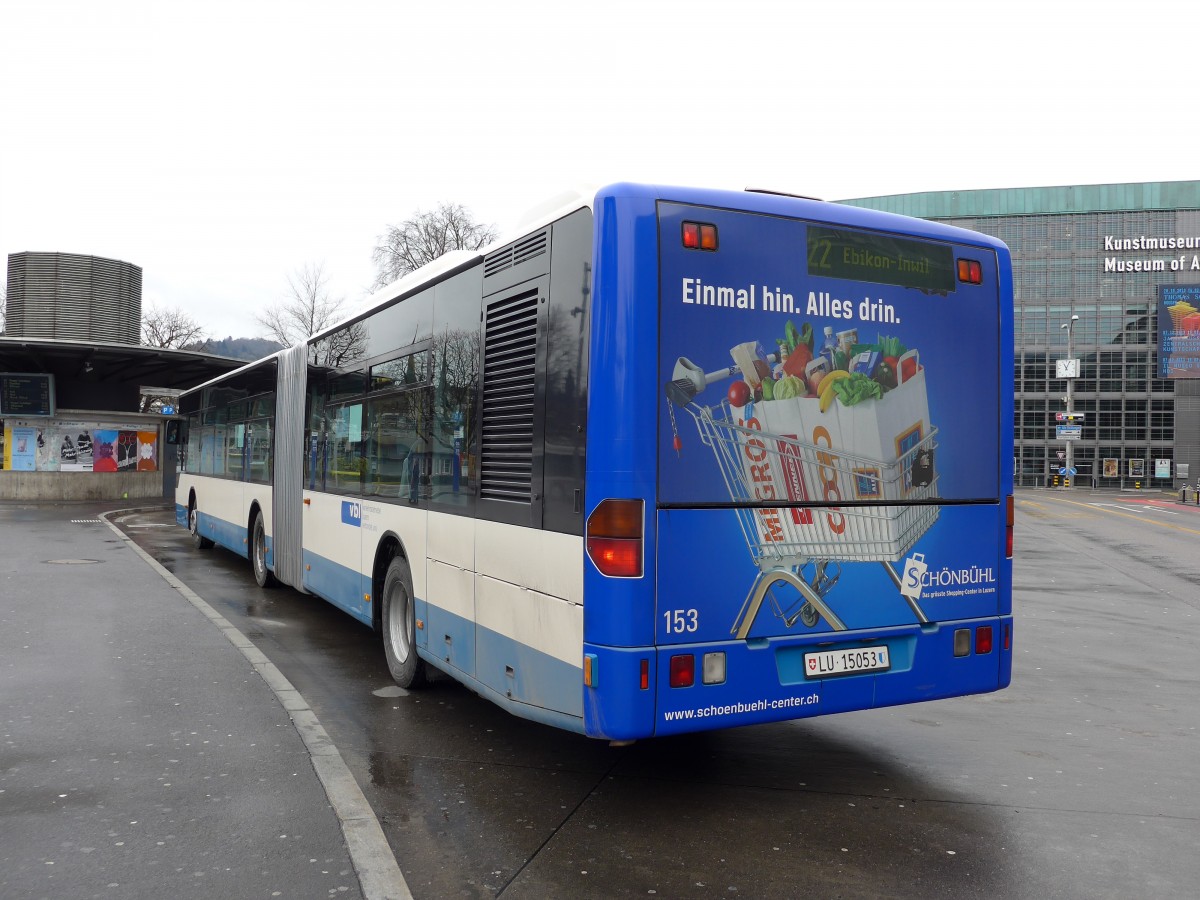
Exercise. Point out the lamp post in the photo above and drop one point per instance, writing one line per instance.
(1071, 373)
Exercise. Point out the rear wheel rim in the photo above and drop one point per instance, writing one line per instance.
(260, 549)
(400, 626)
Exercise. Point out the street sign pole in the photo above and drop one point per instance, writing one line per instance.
(1070, 326)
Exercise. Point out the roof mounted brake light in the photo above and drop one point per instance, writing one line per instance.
(970, 271)
(699, 236)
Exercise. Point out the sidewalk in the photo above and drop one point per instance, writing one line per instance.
(141, 753)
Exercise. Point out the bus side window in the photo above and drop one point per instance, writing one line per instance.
(345, 442)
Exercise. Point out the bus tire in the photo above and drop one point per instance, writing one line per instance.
(258, 553)
(399, 626)
(198, 540)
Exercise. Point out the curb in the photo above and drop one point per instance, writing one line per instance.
(378, 873)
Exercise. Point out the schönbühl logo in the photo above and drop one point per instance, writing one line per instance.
(913, 578)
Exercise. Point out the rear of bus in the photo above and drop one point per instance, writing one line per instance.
(799, 462)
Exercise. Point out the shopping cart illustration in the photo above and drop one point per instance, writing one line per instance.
(804, 546)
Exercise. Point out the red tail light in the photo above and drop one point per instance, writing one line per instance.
(683, 671)
(983, 639)
(614, 538)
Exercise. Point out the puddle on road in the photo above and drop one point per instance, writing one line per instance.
(391, 691)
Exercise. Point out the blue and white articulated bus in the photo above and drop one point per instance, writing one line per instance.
(670, 460)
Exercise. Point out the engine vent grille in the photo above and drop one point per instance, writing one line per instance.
(515, 254)
(509, 389)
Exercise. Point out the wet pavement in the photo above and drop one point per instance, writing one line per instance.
(1072, 783)
(142, 754)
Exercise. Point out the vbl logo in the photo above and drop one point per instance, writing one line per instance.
(352, 513)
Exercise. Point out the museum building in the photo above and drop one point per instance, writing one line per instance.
(1111, 271)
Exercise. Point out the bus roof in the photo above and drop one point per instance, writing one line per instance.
(792, 206)
(586, 197)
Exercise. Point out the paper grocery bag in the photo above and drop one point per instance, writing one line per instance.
(865, 452)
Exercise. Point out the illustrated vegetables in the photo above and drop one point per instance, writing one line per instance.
(794, 337)
(789, 386)
(797, 346)
(797, 360)
(886, 374)
(888, 367)
(856, 388)
(890, 347)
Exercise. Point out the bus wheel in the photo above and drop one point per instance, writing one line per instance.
(400, 626)
(198, 540)
(258, 553)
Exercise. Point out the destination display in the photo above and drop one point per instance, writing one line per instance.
(23, 394)
(880, 259)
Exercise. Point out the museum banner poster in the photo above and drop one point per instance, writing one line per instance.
(1179, 331)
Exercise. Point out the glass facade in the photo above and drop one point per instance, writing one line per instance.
(1072, 256)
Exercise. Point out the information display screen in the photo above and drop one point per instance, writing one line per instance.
(26, 394)
(881, 259)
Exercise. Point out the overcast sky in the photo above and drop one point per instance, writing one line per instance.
(221, 146)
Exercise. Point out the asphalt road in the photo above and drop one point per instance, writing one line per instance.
(1078, 781)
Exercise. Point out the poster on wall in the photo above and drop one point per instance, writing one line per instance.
(127, 451)
(104, 450)
(1112, 467)
(47, 453)
(1137, 468)
(77, 447)
(1179, 331)
(74, 449)
(147, 451)
(23, 455)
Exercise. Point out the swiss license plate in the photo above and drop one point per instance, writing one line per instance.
(846, 662)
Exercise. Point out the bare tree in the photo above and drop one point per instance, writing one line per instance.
(309, 309)
(406, 247)
(170, 327)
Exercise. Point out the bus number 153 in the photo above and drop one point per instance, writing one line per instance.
(681, 620)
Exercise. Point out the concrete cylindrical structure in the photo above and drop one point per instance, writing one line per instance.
(69, 296)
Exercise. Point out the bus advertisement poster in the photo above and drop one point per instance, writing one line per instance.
(782, 381)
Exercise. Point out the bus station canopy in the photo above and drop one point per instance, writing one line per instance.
(91, 370)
